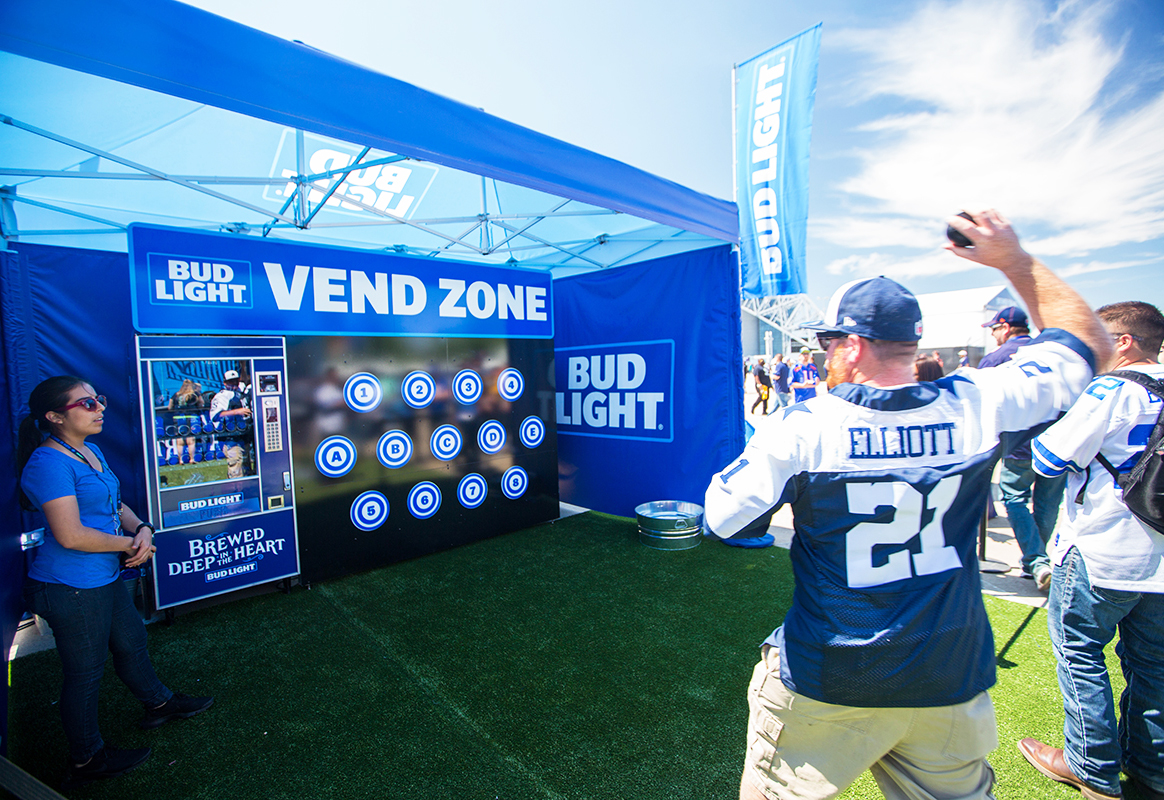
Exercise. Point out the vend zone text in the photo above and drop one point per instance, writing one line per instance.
(598, 408)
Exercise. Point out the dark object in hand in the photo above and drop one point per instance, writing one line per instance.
(956, 236)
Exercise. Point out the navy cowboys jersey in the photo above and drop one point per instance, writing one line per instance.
(888, 487)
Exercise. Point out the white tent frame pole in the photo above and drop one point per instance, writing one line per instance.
(125, 162)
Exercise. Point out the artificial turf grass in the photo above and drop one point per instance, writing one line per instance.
(565, 661)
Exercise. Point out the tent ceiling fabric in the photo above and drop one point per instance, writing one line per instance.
(174, 116)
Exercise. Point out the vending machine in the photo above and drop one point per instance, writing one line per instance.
(219, 470)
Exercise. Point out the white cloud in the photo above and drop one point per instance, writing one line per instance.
(934, 262)
(1009, 104)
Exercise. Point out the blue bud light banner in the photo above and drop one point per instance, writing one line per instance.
(186, 281)
(773, 99)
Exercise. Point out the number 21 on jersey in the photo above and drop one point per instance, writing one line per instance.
(910, 504)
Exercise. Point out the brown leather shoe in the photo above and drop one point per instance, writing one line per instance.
(1049, 761)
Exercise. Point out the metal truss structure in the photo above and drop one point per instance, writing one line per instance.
(786, 313)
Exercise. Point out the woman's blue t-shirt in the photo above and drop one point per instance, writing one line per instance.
(51, 474)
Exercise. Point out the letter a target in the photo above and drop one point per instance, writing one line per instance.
(424, 499)
(363, 392)
(467, 387)
(471, 491)
(335, 456)
(394, 449)
(532, 432)
(491, 437)
(369, 511)
(418, 389)
(445, 442)
(510, 384)
(514, 482)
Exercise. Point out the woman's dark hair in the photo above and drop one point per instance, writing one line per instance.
(927, 368)
(49, 394)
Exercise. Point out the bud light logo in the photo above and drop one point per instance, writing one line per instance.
(616, 391)
(199, 281)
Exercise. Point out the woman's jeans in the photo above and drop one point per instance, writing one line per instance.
(1082, 619)
(87, 624)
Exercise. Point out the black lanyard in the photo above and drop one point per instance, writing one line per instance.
(117, 505)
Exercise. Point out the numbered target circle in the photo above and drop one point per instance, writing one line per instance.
(335, 456)
(532, 432)
(369, 511)
(510, 384)
(471, 491)
(514, 482)
(363, 392)
(394, 449)
(491, 437)
(418, 389)
(467, 386)
(424, 499)
(445, 442)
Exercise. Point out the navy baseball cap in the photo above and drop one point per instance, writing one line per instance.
(874, 308)
(1011, 315)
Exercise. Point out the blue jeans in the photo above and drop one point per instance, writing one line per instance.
(88, 624)
(1016, 480)
(1082, 620)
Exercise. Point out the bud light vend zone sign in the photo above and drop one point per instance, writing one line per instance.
(186, 281)
(616, 391)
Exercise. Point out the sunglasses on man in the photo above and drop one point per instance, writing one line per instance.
(87, 403)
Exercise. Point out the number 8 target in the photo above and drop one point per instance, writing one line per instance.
(510, 384)
(369, 511)
(514, 482)
(471, 491)
(424, 499)
(491, 437)
(467, 387)
(445, 442)
(418, 389)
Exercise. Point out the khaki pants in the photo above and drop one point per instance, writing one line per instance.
(808, 750)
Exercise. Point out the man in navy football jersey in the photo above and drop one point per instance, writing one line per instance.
(1022, 489)
(885, 656)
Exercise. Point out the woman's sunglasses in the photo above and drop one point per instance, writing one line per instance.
(87, 403)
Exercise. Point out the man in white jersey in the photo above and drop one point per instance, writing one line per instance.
(886, 653)
(1108, 576)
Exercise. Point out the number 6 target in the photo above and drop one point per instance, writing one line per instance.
(424, 500)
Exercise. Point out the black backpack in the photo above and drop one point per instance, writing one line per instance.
(1144, 485)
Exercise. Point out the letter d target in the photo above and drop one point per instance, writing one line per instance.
(491, 437)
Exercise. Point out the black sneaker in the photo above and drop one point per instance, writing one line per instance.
(179, 706)
(108, 763)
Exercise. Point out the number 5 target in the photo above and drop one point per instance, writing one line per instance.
(369, 511)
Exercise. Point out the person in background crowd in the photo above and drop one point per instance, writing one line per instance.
(804, 377)
(232, 401)
(1108, 577)
(763, 386)
(187, 398)
(73, 580)
(1022, 489)
(926, 369)
(936, 356)
(963, 358)
(780, 374)
(885, 656)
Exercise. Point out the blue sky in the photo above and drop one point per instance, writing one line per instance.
(1051, 112)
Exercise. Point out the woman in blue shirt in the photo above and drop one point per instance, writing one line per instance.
(73, 579)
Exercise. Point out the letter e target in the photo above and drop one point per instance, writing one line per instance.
(532, 432)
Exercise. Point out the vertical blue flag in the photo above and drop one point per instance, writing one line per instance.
(774, 94)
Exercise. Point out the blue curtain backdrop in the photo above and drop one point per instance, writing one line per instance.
(687, 306)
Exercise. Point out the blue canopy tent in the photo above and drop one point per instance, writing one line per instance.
(151, 111)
